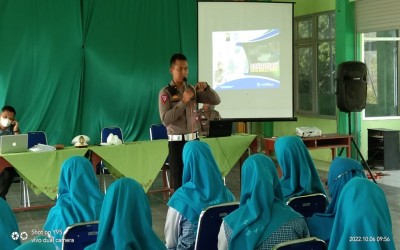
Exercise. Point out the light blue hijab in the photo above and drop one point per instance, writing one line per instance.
(8, 225)
(262, 209)
(362, 218)
(341, 171)
(202, 182)
(125, 220)
(299, 176)
(79, 199)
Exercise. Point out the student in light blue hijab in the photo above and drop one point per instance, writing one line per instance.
(125, 219)
(299, 175)
(362, 218)
(79, 199)
(8, 227)
(262, 219)
(341, 171)
(202, 187)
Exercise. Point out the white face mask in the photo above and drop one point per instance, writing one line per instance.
(5, 122)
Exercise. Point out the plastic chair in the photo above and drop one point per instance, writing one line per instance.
(309, 204)
(34, 138)
(159, 132)
(310, 243)
(210, 221)
(105, 132)
(80, 235)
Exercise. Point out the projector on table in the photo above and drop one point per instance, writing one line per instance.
(308, 131)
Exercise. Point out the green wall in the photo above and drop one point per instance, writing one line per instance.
(366, 124)
(305, 7)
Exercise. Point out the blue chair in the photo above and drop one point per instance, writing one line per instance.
(310, 243)
(105, 132)
(309, 204)
(159, 132)
(210, 221)
(80, 235)
(36, 137)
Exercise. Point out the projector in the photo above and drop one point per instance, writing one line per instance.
(308, 131)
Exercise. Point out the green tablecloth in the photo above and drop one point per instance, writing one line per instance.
(228, 150)
(41, 170)
(141, 161)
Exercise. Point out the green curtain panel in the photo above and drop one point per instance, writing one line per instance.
(74, 67)
(40, 64)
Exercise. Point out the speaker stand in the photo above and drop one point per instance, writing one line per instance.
(364, 162)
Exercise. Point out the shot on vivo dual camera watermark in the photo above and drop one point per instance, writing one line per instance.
(35, 234)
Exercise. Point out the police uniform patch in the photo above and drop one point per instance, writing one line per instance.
(164, 98)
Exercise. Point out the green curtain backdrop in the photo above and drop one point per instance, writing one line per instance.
(40, 64)
(74, 67)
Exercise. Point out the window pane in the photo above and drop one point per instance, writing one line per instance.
(304, 29)
(381, 58)
(326, 78)
(323, 27)
(315, 69)
(305, 73)
(388, 33)
(333, 26)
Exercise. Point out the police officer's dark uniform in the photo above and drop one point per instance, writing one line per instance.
(181, 122)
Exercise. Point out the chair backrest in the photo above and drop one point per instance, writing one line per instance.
(80, 235)
(36, 137)
(210, 221)
(158, 131)
(309, 204)
(105, 132)
(310, 243)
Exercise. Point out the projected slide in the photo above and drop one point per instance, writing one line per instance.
(245, 52)
(245, 59)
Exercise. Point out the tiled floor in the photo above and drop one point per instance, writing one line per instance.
(29, 221)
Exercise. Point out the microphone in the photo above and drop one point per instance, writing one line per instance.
(184, 83)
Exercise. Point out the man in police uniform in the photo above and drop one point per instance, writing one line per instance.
(206, 114)
(177, 104)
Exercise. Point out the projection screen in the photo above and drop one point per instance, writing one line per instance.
(245, 52)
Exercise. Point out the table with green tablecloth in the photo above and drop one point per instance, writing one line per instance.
(139, 160)
(41, 170)
(143, 160)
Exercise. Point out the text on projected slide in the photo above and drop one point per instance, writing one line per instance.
(246, 59)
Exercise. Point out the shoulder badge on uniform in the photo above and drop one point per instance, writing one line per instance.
(164, 98)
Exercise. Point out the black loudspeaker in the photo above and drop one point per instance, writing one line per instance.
(351, 86)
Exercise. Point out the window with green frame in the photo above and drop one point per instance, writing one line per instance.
(314, 64)
(381, 55)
